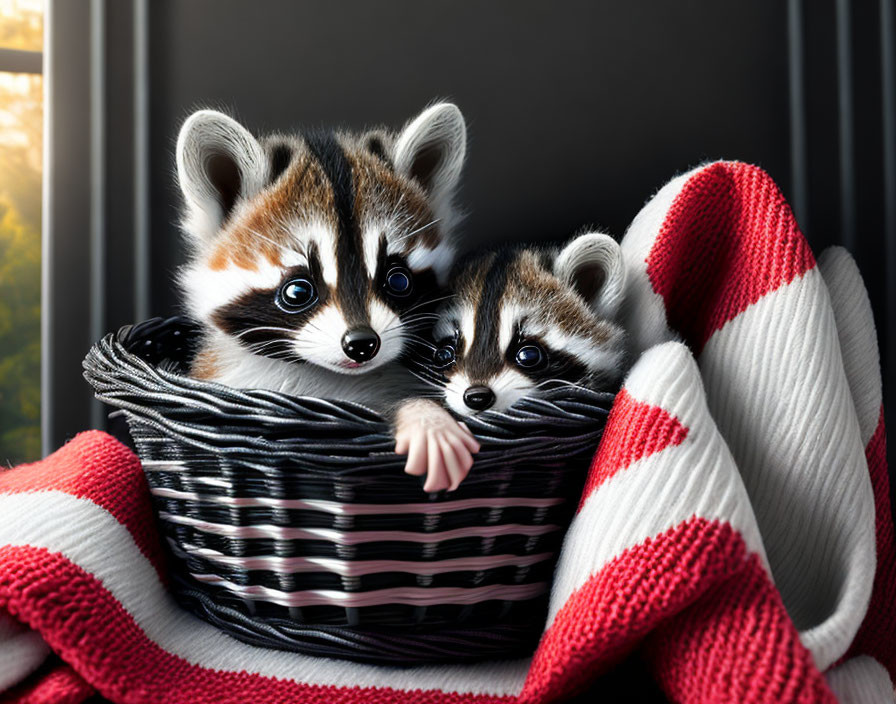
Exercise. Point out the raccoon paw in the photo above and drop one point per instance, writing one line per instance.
(436, 445)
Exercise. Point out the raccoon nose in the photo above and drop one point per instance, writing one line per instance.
(360, 344)
(479, 397)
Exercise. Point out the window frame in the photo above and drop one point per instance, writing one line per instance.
(95, 197)
(21, 61)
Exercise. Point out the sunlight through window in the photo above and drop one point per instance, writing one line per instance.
(21, 113)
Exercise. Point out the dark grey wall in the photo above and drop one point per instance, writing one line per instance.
(577, 111)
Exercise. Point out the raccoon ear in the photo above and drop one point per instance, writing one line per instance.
(431, 149)
(219, 163)
(593, 265)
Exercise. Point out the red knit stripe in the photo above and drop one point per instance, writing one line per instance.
(634, 430)
(728, 239)
(736, 645)
(58, 685)
(89, 629)
(95, 466)
(697, 561)
(876, 635)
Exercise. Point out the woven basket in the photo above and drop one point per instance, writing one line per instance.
(291, 523)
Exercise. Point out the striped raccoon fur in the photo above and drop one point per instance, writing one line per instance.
(314, 255)
(316, 259)
(520, 320)
(523, 319)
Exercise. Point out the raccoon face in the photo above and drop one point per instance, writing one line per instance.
(522, 320)
(323, 247)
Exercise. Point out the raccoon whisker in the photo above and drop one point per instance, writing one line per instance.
(261, 328)
(399, 217)
(419, 327)
(397, 209)
(419, 229)
(421, 340)
(289, 358)
(259, 346)
(559, 382)
(429, 301)
(395, 323)
(420, 316)
(425, 227)
(421, 368)
(299, 346)
(427, 381)
(256, 233)
(264, 343)
(309, 325)
(421, 361)
(416, 325)
(421, 343)
(285, 227)
(413, 328)
(274, 353)
(421, 365)
(438, 391)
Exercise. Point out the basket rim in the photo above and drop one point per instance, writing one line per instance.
(261, 428)
(113, 345)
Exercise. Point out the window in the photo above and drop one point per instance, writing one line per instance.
(21, 125)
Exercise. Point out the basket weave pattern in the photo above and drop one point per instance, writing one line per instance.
(291, 523)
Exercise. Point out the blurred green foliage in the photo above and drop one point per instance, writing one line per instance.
(21, 124)
(19, 336)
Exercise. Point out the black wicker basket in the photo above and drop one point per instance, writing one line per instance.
(291, 523)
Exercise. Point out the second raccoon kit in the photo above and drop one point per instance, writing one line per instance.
(522, 319)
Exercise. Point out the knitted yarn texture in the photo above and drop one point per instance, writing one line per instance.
(734, 532)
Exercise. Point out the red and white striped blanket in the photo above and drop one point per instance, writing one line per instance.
(735, 531)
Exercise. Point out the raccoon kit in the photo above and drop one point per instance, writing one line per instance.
(314, 256)
(523, 319)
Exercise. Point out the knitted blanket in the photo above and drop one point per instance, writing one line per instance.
(734, 533)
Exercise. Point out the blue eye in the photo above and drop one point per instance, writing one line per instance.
(398, 281)
(530, 356)
(296, 295)
(444, 357)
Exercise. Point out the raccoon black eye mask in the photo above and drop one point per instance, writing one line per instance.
(523, 319)
(314, 256)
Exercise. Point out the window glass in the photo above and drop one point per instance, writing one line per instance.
(21, 120)
(21, 25)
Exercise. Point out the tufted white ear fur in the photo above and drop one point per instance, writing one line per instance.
(593, 265)
(431, 149)
(219, 164)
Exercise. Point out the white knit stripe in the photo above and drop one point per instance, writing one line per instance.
(21, 651)
(857, 335)
(112, 556)
(696, 478)
(643, 310)
(861, 680)
(776, 387)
